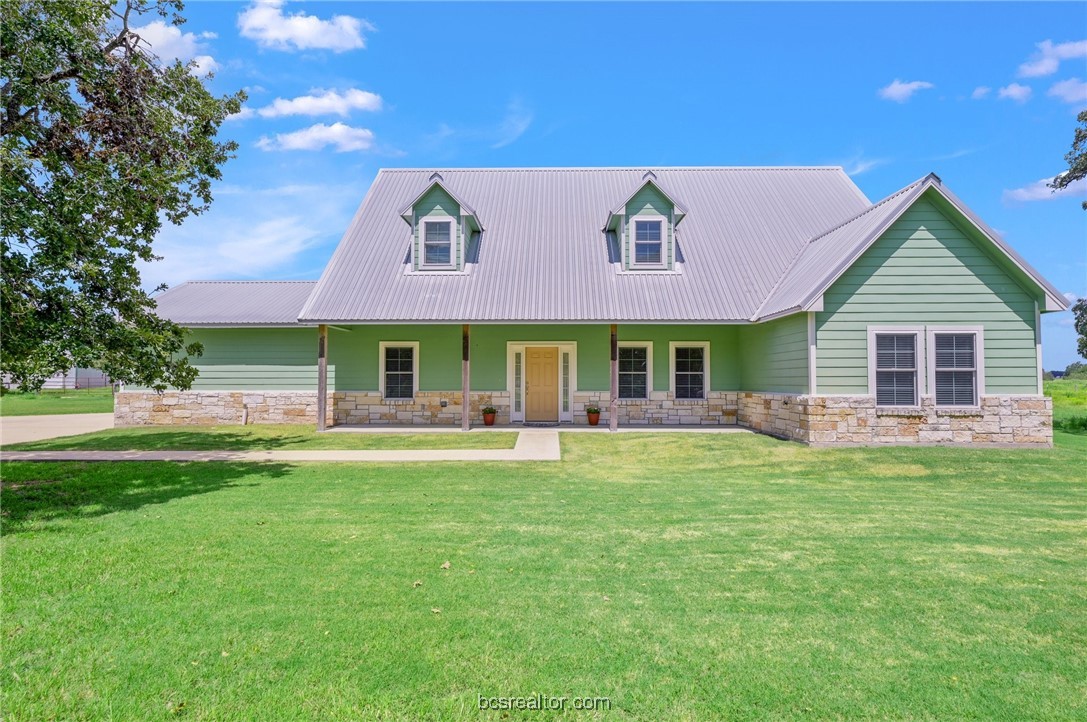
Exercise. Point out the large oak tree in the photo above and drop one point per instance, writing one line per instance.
(102, 142)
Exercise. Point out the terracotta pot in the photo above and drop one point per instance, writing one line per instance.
(594, 419)
(488, 419)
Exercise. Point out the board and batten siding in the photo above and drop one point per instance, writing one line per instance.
(436, 202)
(257, 359)
(926, 269)
(647, 201)
(774, 355)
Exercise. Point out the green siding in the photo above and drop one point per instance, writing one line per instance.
(647, 201)
(356, 352)
(774, 355)
(436, 202)
(257, 359)
(489, 352)
(927, 269)
(724, 356)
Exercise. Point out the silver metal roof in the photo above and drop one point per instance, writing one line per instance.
(235, 303)
(544, 256)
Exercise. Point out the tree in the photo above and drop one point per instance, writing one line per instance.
(1077, 166)
(1079, 310)
(101, 141)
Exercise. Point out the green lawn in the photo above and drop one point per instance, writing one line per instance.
(685, 577)
(260, 437)
(1069, 403)
(54, 401)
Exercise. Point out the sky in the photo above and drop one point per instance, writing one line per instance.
(984, 95)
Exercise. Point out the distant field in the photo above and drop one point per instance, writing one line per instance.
(1069, 404)
(55, 401)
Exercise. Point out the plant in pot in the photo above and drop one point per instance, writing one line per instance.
(593, 412)
(489, 413)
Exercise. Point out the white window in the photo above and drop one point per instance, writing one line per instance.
(635, 370)
(690, 372)
(893, 363)
(956, 365)
(399, 370)
(438, 237)
(648, 234)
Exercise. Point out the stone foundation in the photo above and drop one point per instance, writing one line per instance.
(206, 408)
(855, 420)
(662, 408)
(368, 407)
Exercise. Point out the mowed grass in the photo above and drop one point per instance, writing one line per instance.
(261, 437)
(684, 577)
(1069, 404)
(55, 401)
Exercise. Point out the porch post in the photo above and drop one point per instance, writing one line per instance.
(613, 408)
(322, 375)
(465, 403)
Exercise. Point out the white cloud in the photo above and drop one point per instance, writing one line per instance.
(1047, 59)
(1015, 91)
(244, 114)
(1072, 91)
(1040, 191)
(900, 92)
(169, 43)
(1070, 297)
(980, 92)
(343, 137)
(859, 164)
(327, 102)
(513, 125)
(265, 22)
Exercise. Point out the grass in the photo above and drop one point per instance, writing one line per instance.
(1069, 404)
(55, 401)
(685, 577)
(260, 437)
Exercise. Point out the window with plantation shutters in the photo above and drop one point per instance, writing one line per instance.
(955, 369)
(896, 369)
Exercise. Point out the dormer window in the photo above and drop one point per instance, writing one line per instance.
(649, 241)
(438, 242)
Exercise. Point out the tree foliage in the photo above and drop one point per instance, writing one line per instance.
(1077, 166)
(101, 142)
(1079, 310)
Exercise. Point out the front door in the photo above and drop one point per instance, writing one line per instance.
(542, 383)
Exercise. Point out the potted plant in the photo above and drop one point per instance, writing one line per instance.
(489, 415)
(593, 412)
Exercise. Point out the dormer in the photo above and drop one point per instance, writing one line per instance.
(444, 230)
(643, 228)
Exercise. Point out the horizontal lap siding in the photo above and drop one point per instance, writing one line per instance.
(774, 355)
(356, 352)
(926, 271)
(724, 353)
(489, 352)
(257, 359)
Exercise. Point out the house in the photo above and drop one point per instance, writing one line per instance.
(779, 299)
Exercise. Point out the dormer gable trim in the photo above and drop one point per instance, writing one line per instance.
(648, 179)
(408, 211)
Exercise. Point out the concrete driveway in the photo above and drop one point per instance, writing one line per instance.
(17, 429)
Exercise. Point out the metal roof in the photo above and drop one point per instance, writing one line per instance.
(545, 258)
(234, 303)
(824, 258)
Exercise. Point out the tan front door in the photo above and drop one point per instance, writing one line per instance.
(542, 384)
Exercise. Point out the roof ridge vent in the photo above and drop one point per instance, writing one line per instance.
(435, 176)
(649, 175)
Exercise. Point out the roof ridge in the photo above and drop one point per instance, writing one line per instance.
(866, 211)
(486, 169)
(221, 280)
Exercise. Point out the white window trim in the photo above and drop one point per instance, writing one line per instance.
(569, 347)
(648, 346)
(920, 358)
(632, 235)
(382, 345)
(672, 346)
(979, 361)
(454, 242)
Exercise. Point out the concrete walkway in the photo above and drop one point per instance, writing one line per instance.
(17, 429)
(532, 445)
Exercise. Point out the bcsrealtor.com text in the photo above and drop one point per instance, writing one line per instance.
(545, 702)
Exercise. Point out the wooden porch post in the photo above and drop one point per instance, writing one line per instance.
(465, 401)
(322, 375)
(613, 408)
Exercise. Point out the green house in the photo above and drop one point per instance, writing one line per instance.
(779, 299)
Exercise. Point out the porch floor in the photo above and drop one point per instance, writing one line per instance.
(602, 428)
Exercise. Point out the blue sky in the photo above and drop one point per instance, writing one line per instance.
(985, 95)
